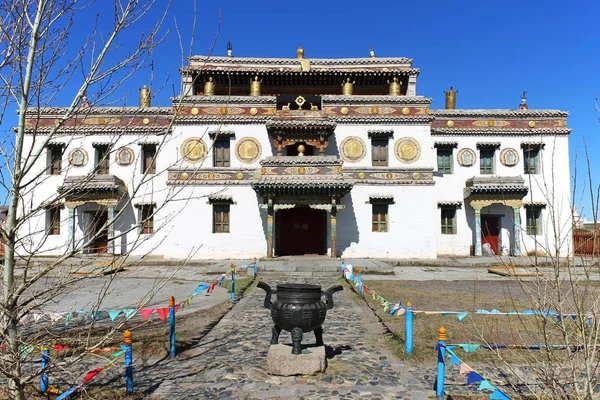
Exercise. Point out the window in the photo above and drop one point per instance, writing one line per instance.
(55, 154)
(221, 153)
(448, 223)
(486, 159)
(531, 160)
(444, 160)
(220, 218)
(533, 220)
(380, 217)
(53, 221)
(102, 159)
(147, 219)
(149, 159)
(379, 151)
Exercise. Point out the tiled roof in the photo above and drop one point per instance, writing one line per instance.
(532, 144)
(534, 204)
(446, 144)
(386, 198)
(383, 61)
(502, 132)
(371, 119)
(82, 112)
(221, 134)
(101, 130)
(275, 161)
(494, 145)
(91, 184)
(500, 113)
(496, 185)
(302, 185)
(220, 198)
(362, 99)
(385, 133)
(450, 203)
(302, 124)
(267, 100)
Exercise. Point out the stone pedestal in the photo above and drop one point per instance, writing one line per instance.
(281, 361)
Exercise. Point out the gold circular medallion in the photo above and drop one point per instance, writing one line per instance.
(353, 149)
(340, 170)
(406, 111)
(184, 176)
(146, 121)
(532, 124)
(253, 111)
(361, 175)
(195, 111)
(211, 175)
(450, 124)
(248, 150)
(374, 110)
(490, 123)
(223, 110)
(194, 150)
(388, 175)
(240, 176)
(407, 150)
(345, 110)
(416, 176)
(301, 170)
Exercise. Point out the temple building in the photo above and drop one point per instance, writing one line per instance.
(268, 157)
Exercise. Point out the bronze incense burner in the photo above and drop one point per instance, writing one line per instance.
(298, 309)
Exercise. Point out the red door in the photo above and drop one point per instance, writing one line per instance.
(100, 244)
(301, 231)
(490, 230)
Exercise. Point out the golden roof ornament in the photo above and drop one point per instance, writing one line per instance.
(300, 52)
(301, 150)
(145, 97)
(395, 87)
(348, 87)
(451, 99)
(255, 87)
(209, 87)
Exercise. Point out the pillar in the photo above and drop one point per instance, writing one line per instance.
(412, 86)
(71, 229)
(516, 243)
(111, 230)
(270, 220)
(477, 251)
(333, 227)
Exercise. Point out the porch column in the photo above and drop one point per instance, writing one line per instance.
(111, 229)
(333, 225)
(71, 228)
(477, 231)
(270, 217)
(516, 244)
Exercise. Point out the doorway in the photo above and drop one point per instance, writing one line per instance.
(301, 231)
(97, 227)
(490, 232)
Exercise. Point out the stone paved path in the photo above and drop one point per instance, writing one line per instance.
(228, 362)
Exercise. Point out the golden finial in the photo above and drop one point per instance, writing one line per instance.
(301, 149)
(209, 87)
(145, 97)
(395, 87)
(451, 99)
(442, 333)
(255, 87)
(358, 270)
(300, 52)
(172, 301)
(348, 87)
(127, 338)
(408, 304)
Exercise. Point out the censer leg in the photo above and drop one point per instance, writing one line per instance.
(275, 334)
(297, 341)
(319, 336)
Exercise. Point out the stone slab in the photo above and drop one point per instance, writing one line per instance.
(281, 361)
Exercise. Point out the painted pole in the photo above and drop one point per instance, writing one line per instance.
(343, 267)
(44, 377)
(128, 360)
(255, 267)
(441, 362)
(232, 282)
(359, 281)
(409, 328)
(172, 324)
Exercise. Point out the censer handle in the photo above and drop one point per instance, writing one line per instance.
(268, 291)
(329, 293)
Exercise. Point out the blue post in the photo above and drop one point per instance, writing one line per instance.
(343, 267)
(44, 378)
(359, 284)
(441, 362)
(128, 361)
(409, 328)
(255, 267)
(232, 282)
(172, 324)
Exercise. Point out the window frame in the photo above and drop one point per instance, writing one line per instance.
(146, 219)
(445, 227)
(380, 157)
(450, 159)
(376, 219)
(55, 155)
(222, 152)
(485, 170)
(527, 168)
(149, 165)
(102, 159)
(53, 221)
(533, 220)
(226, 212)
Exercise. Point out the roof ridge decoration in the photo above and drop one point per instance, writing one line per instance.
(267, 100)
(366, 99)
(274, 161)
(516, 113)
(112, 111)
(296, 61)
(502, 132)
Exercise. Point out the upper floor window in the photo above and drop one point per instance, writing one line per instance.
(149, 158)
(379, 146)
(102, 158)
(487, 157)
(531, 157)
(221, 148)
(55, 154)
(445, 158)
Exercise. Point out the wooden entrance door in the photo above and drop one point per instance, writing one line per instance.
(490, 231)
(100, 243)
(301, 231)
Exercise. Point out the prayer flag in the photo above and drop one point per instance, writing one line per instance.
(163, 313)
(91, 374)
(113, 314)
(454, 359)
(496, 395)
(473, 377)
(462, 316)
(485, 385)
(465, 368)
(469, 348)
(129, 312)
(146, 312)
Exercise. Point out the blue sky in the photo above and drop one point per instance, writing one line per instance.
(489, 51)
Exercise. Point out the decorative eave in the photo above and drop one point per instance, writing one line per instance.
(496, 185)
(287, 161)
(224, 119)
(280, 61)
(534, 204)
(59, 112)
(400, 120)
(501, 132)
(221, 134)
(219, 198)
(100, 130)
(449, 203)
(77, 186)
(533, 145)
(499, 113)
(218, 99)
(141, 204)
(56, 144)
(363, 99)
(381, 199)
(380, 133)
(299, 185)
(488, 145)
(445, 144)
(306, 127)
